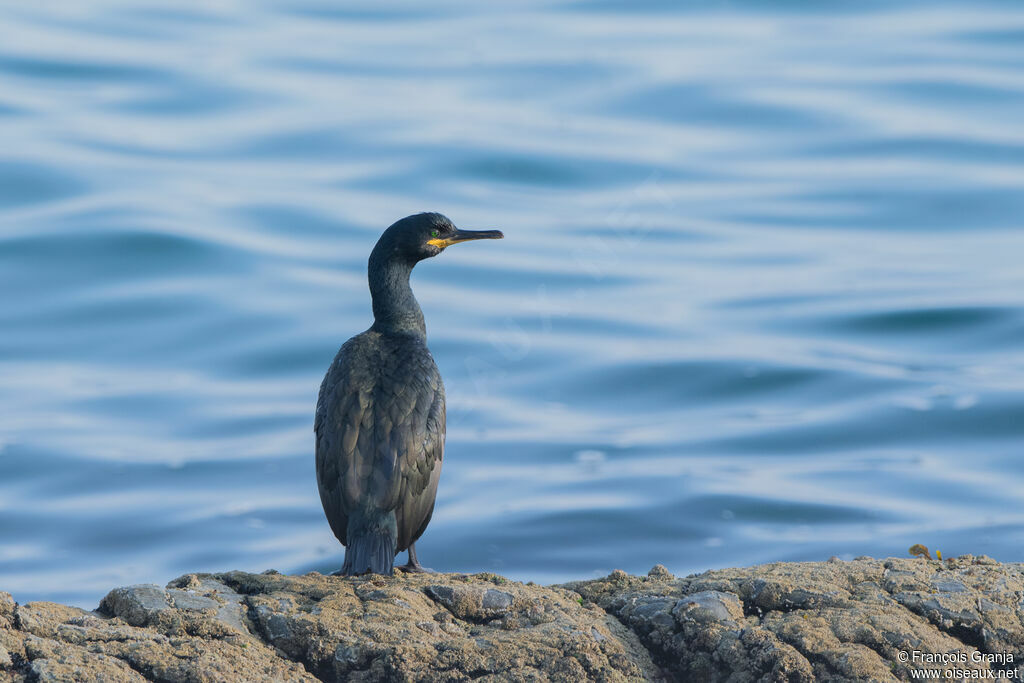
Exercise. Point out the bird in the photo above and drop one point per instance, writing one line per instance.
(380, 414)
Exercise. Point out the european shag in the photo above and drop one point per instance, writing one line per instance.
(380, 417)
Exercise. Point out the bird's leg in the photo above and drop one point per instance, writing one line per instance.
(413, 565)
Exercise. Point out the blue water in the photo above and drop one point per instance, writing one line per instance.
(760, 296)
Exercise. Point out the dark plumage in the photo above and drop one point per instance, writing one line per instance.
(380, 418)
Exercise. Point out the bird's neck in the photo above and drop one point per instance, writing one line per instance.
(395, 310)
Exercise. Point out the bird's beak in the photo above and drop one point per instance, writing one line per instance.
(465, 236)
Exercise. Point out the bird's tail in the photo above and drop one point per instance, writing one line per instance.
(372, 536)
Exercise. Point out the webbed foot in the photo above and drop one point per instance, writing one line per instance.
(413, 566)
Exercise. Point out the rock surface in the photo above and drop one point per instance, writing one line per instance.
(824, 621)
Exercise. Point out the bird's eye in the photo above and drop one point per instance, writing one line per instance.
(434, 233)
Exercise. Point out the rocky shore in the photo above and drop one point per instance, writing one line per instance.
(861, 620)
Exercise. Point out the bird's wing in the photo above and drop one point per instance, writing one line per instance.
(343, 405)
(380, 433)
(421, 469)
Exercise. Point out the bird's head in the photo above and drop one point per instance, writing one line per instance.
(423, 235)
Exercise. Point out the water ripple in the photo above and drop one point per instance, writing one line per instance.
(759, 296)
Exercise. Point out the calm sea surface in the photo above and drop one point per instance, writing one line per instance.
(761, 295)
